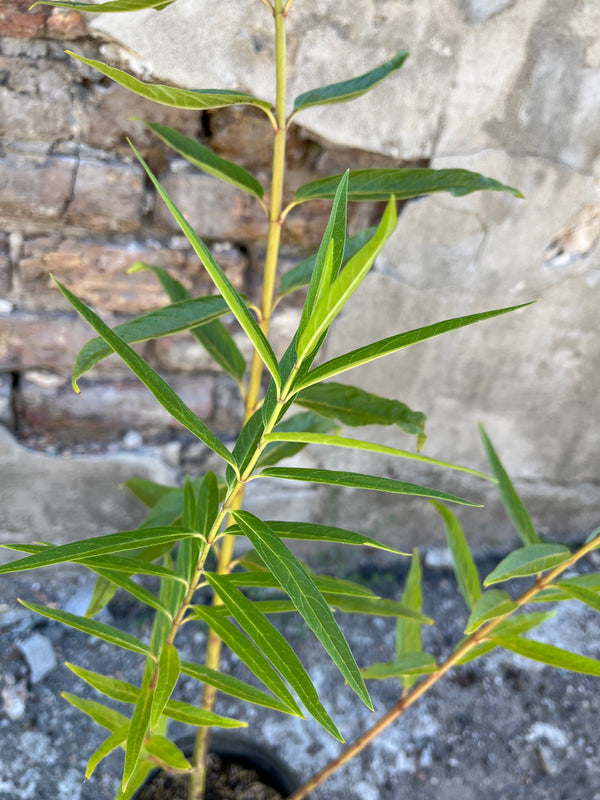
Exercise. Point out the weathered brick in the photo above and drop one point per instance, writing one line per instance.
(17, 20)
(35, 188)
(5, 277)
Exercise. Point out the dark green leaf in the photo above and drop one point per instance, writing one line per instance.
(529, 561)
(465, 570)
(350, 89)
(168, 674)
(104, 591)
(491, 604)
(375, 606)
(138, 727)
(549, 654)
(148, 492)
(408, 632)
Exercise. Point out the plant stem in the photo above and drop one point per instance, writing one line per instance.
(420, 689)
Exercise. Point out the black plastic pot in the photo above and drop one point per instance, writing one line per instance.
(245, 752)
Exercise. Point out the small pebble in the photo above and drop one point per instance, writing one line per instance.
(40, 656)
(132, 441)
(14, 697)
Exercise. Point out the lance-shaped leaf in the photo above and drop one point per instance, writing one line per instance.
(300, 587)
(134, 589)
(234, 687)
(356, 407)
(103, 592)
(375, 607)
(465, 570)
(112, 687)
(198, 99)
(115, 740)
(144, 767)
(212, 336)
(408, 664)
(233, 298)
(528, 561)
(594, 535)
(111, 7)
(163, 322)
(491, 604)
(356, 480)
(556, 593)
(591, 599)
(324, 583)
(333, 299)
(408, 632)
(92, 627)
(247, 443)
(106, 717)
(300, 275)
(282, 444)
(392, 344)
(510, 499)
(275, 647)
(190, 715)
(350, 89)
(514, 625)
(549, 654)
(204, 158)
(138, 728)
(168, 674)
(379, 184)
(161, 390)
(166, 752)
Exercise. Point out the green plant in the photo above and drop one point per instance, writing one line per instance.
(187, 527)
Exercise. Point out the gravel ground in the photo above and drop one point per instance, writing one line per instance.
(500, 728)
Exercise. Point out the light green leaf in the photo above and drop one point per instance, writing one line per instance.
(408, 632)
(275, 647)
(356, 480)
(375, 606)
(350, 89)
(324, 583)
(300, 587)
(166, 752)
(168, 674)
(491, 604)
(549, 654)
(510, 499)
(161, 390)
(190, 715)
(138, 728)
(115, 740)
(92, 627)
(106, 717)
(591, 599)
(233, 298)
(554, 593)
(333, 299)
(287, 438)
(206, 160)
(198, 99)
(465, 570)
(514, 625)
(164, 321)
(300, 275)
(111, 687)
(137, 779)
(528, 561)
(379, 184)
(133, 566)
(392, 344)
(112, 6)
(594, 535)
(356, 407)
(408, 664)
(234, 687)
(104, 591)
(133, 588)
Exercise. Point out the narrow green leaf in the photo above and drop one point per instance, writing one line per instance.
(350, 89)
(333, 299)
(168, 674)
(166, 321)
(549, 654)
(356, 407)
(379, 184)
(356, 480)
(594, 535)
(103, 593)
(467, 575)
(392, 344)
(133, 588)
(111, 687)
(247, 442)
(189, 504)
(514, 625)
(190, 715)
(510, 499)
(106, 717)
(92, 627)
(324, 583)
(554, 593)
(491, 604)
(234, 687)
(112, 6)
(300, 587)
(300, 275)
(161, 390)
(591, 599)
(249, 654)
(232, 297)
(166, 752)
(138, 728)
(287, 438)
(408, 664)
(528, 561)
(137, 779)
(115, 740)
(133, 566)
(275, 647)
(198, 99)
(147, 492)
(204, 158)
(208, 504)
(375, 606)
(408, 632)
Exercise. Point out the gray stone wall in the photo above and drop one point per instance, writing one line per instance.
(506, 88)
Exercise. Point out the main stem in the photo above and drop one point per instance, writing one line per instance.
(213, 651)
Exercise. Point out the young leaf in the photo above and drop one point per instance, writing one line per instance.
(111, 687)
(165, 321)
(408, 664)
(356, 407)
(408, 632)
(233, 298)
(356, 480)
(379, 184)
(282, 444)
(333, 299)
(168, 674)
(166, 752)
(275, 647)
(297, 583)
(491, 604)
(556, 593)
(300, 275)
(510, 499)
(190, 715)
(234, 687)
(161, 390)
(199, 99)
(144, 767)
(465, 570)
(138, 727)
(112, 6)
(392, 344)
(204, 158)
(106, 717)
(92, 627)
(115, 740)
(103, 593)
(591, 599)
(528, 561)
(549, 654)
(350, 89)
